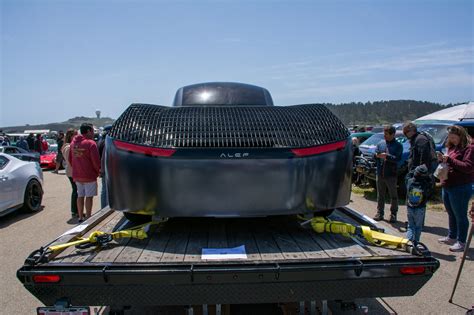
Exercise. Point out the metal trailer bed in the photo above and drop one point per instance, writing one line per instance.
(286, 263)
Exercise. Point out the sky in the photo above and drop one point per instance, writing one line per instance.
(62, 59)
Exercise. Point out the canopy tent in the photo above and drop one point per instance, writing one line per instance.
(455, 113)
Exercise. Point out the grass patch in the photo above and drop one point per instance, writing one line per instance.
(370, 193)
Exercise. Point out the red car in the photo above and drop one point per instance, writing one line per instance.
(48, 160)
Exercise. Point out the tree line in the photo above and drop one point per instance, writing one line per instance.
(383, 112)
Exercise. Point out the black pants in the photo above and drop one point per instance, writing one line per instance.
(383, 184)
(73, 196)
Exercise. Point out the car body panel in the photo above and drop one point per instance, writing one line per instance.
(227, 187)
(48, 160)
(20, 153)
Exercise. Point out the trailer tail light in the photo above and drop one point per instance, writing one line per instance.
(319, 149)
(412, 270)
(143, 149)
(46, 279)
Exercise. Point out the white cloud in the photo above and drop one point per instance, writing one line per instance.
(440, 81)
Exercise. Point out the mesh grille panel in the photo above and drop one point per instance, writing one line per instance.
(229, 127)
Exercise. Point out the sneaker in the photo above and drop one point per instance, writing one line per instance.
(80, 220)
(457, 247)
(447, 240)
(378, 217)
(74, 215)
(55, 172)
(393, 218)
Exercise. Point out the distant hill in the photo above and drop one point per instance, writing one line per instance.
(370, 113)
(383, 112)
(70, 123)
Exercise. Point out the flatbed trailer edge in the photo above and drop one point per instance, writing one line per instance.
(286, 264)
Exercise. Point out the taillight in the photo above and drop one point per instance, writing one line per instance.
(319, 149)
(144, 149)
(46, 278)
(412, 270)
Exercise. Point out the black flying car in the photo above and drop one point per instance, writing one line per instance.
(224, 150)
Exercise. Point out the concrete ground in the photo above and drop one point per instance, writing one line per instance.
(22, 233)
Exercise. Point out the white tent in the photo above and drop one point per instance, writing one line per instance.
(455, 113)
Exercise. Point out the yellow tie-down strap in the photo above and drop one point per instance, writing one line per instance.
(321, 225)
(100, 238)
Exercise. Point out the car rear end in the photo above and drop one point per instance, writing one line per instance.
(228, 160)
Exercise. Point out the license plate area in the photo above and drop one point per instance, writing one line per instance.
(72, 310)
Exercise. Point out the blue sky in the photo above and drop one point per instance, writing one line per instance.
(61, 59)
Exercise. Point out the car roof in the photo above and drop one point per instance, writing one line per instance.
(361, 134)
(465, 122)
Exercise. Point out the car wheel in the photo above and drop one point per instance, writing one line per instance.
(137, 218)
(33, 196)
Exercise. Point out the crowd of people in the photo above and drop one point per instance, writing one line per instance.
(30, 143)
(457, 184)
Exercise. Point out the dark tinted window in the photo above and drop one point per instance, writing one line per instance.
(3, 162)
(223, 94)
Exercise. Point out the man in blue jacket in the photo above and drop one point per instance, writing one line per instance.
(388, 154)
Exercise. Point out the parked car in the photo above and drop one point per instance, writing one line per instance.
(20, 153)
(224, 150)
(365, 165)
(362, 136)
(20, 185)
(48, 160)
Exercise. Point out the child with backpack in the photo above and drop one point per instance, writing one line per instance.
(420, 185)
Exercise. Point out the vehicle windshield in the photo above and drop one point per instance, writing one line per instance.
(438, 132)
(373, 140)
(401, 139)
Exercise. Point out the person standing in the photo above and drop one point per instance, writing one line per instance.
(65, 150)
(420, 184)
(420, 148)
(85, 162)
(103, 193)
(457, 188)
(388, 154)
(38, 146)
(22, 143)
(31, 142)
(59, 156)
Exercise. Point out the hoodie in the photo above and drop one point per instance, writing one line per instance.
(84, 159)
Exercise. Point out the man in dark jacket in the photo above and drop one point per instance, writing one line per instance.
(388, 154)
(420, 148)
(31, 142)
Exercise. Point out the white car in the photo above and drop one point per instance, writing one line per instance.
(21, 185)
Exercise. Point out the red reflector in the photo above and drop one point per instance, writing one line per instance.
(143, 149)
(46, 279)
(319, 149)
(412, 270)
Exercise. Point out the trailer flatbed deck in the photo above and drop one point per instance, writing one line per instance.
(286, 262)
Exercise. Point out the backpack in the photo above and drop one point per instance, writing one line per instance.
(434, 158)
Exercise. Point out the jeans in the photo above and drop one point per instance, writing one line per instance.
(456, 202)
(103, 194)
(416, 221)
(382, 185)
(73, 196)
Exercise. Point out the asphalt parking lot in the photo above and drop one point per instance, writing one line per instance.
(22, 233)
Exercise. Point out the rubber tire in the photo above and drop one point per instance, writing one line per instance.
(33, 196)
(137, 218)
